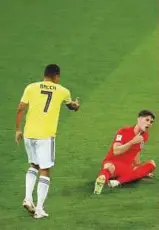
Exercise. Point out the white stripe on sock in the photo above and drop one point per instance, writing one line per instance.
(42, 190)
(31, 177)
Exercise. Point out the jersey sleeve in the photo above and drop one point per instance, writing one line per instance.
(25, 96)
(67, 97)
(120, 136)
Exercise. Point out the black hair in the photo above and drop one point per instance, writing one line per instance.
(51, 70)
(145, 113)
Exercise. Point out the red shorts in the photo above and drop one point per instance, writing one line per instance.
(120, 167)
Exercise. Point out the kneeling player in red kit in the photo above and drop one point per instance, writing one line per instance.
(122, 163)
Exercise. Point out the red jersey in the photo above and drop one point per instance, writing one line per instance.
(123, 136)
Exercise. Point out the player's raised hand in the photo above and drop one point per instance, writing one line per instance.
(137, 139)
(77, 103)
(74, 105)
(18, 136)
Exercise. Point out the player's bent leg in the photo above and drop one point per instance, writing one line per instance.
(105, 173)
(31, 177)
(152, 163)
(46, 158)
(138, 172)
(150, 175)
(120, 170)
(42, 192)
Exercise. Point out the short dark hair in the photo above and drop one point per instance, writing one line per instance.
(145, 113)
(51, 70)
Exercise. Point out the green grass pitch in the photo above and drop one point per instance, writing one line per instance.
(108, 52)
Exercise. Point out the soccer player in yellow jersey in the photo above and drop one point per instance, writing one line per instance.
(43, 101)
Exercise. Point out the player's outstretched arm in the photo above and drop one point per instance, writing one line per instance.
(19, 116)
(74, 105)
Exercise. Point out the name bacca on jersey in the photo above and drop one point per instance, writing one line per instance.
(47, 87)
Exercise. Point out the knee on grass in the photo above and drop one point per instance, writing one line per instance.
(152, 163)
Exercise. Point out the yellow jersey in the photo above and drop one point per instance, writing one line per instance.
(44, 100)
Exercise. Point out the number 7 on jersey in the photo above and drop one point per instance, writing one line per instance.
(49, 97)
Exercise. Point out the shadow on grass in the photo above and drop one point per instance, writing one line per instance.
(87, 188)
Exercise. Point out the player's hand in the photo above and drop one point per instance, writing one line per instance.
(76, 104)
(18, 136)
(137, 139)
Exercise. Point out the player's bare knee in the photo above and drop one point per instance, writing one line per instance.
(45, 172)
(110, 167)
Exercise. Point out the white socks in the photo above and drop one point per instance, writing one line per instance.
(42, 190)
(31, 177)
